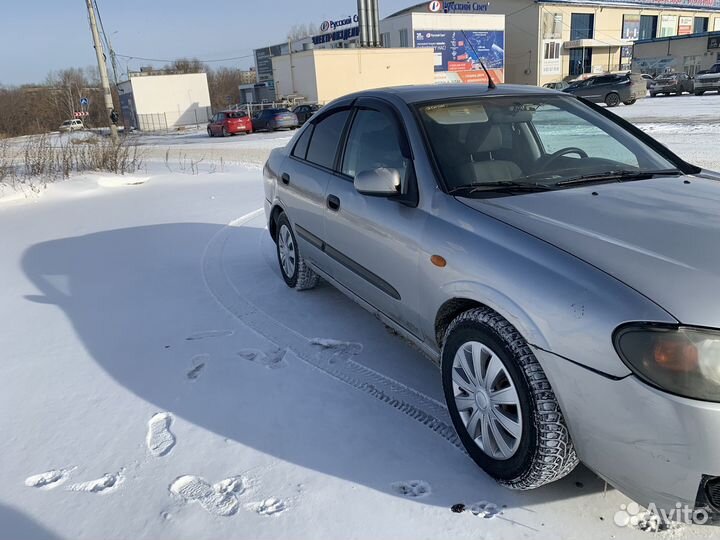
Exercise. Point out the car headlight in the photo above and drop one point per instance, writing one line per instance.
(680, 360)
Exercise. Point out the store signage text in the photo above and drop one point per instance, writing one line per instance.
(337, 35)
(332, 25)
(438, 6)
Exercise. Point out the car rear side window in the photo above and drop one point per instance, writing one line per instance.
(301, 146)
(325, 139)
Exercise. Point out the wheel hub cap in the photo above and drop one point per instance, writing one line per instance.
(286, 251)
(487, 400)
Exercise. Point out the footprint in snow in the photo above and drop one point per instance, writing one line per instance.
(412, 489)
(337, 345)
(273, 360)
(105, 484)
(268, 507)
(198, 362)
(209, 334)
(485, 509)
(159, 439)
(49, 479)
(220, 499)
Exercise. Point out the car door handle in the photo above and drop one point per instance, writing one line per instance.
(333, 203)
(285, 178)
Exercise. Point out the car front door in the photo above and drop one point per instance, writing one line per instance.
(372, 242)
(595, 88)
(304, 178)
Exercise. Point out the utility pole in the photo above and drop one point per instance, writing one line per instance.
(102, 66)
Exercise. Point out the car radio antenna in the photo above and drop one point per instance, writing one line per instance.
(491, 83)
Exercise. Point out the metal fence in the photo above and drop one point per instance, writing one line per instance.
(252, 108)
(169, 121)
(152, 122)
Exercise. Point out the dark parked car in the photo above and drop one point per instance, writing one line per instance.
(611, 89)
(671, 83)
(556, 85)
(272, 119)
(304, 112)
(228, 123)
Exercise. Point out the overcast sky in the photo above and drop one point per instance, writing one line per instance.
(39, 36)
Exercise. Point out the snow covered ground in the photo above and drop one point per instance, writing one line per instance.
(161, 381)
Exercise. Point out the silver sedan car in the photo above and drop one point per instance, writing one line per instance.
(557, 263)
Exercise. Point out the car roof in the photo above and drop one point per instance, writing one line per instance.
(430, 92)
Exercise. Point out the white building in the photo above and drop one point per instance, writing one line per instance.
(151, 101)
(459, 41)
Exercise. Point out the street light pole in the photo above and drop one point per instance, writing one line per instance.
(102, 66)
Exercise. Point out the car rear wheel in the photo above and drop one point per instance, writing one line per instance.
(295, 270)
(699, 92)
(612, 99)
(653, 94)
(501, 403)
(210, 133)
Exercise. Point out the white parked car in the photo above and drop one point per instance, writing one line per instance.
(72, 125)
(708, 81)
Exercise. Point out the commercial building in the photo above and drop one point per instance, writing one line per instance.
(459, 41)
(548, 40)
(690, 53)
(150, 101)
(321, 75)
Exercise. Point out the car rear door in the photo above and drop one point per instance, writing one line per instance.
(371, 242)
(304, 177)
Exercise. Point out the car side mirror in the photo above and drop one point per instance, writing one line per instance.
(381, 182)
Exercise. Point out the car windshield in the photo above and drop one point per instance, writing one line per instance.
(540, 142)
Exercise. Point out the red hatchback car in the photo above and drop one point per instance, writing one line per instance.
(228, 123)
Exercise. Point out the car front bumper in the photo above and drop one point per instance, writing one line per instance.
(653, 446)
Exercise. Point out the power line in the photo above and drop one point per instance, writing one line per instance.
(128, 57)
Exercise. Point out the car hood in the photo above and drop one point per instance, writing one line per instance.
(659, 236)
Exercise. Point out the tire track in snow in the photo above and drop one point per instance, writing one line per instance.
(335, 361)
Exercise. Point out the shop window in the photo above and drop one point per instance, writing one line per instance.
(648, 26)
(582, 26)
(700, 25)
(552, 50)
(404, 42)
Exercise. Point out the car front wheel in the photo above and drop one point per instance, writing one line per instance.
(629, 101)
(210, 133)
(295, 270)
(501, 403)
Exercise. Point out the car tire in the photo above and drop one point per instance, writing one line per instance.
(537, 448)
(629, 101)
(653, 94)
(210, 133)
(699, 92)
(293, 267)
(225, 132)
(612, 99)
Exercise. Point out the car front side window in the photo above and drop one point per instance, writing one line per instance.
(374, 142)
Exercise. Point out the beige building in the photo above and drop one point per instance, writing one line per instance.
(690, 53)
(549, 40)
(321, 75)
(152, 102)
